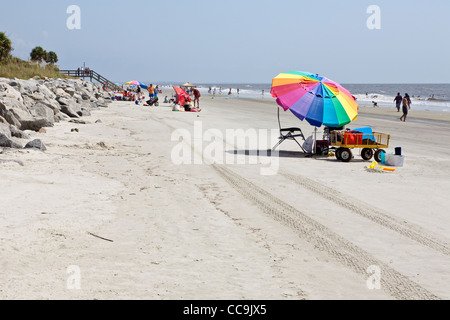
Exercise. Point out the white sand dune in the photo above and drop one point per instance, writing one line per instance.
(105, 213)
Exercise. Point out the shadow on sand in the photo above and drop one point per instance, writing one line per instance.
(289, 154)
(270, 153)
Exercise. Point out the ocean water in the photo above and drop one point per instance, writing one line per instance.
(423, 96)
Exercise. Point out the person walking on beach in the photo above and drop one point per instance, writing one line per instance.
(151, 91)
(398, 101)
(406, 107)
(409, 100)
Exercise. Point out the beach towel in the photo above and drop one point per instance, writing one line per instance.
(365, 130)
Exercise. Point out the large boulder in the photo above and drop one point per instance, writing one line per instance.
(52, 104)
(3, 120)
(37, 144)
(84, 112)
(15, 132)
(28, 101)
(102, 103)
(61, 117)
(37, 96)
(35, 124)
(6, 140)
(17, 114)
(9, 91)
(61, 93)
(70, 91)
(46, 91)
(13, 111)
(89, 86)
(11, 82)
(70, 110)
(25, 86)
(10, 118)
(65, 101)
(41, 111)
(78, 97)
(93, 104)
(85, 95)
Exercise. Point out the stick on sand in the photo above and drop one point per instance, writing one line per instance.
(94, 235)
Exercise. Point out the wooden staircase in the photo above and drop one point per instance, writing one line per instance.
(92, 75)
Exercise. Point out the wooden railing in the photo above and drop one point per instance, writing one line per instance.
(92, 75)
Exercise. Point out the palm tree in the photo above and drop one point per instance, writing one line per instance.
(38, 54)
(51, 57)
(5, 46)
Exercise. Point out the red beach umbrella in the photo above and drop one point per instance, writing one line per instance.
(182, 95)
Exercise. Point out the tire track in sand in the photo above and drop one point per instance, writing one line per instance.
(323, 239)
(409, 230)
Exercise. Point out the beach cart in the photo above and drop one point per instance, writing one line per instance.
(370, 143)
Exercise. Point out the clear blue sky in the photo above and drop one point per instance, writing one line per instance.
(239, 41)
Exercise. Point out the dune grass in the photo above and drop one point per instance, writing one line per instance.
(18, 68)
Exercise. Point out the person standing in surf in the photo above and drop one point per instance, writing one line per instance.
(398, 101)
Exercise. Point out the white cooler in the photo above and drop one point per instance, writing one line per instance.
(394, 160)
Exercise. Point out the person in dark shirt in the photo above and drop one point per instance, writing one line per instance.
(398, 101)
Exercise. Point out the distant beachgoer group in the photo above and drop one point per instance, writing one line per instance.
(137, 95)
(213, 91)
(81, 71)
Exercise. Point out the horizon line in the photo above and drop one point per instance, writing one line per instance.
(363, 83)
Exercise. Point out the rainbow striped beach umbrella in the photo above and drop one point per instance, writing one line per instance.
(135, 83)
(317, 99)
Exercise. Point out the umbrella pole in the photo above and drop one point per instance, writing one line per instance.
(315, 140)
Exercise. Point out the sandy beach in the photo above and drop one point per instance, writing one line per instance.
(108, 213)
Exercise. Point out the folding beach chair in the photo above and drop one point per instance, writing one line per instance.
(289, 134)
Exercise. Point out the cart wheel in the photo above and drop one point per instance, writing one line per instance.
(366, 154)
(377, 156)
(338, 154)
(346, 154)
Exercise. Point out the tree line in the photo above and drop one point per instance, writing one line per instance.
(38, 54)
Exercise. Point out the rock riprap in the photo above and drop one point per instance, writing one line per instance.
(35, 104)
